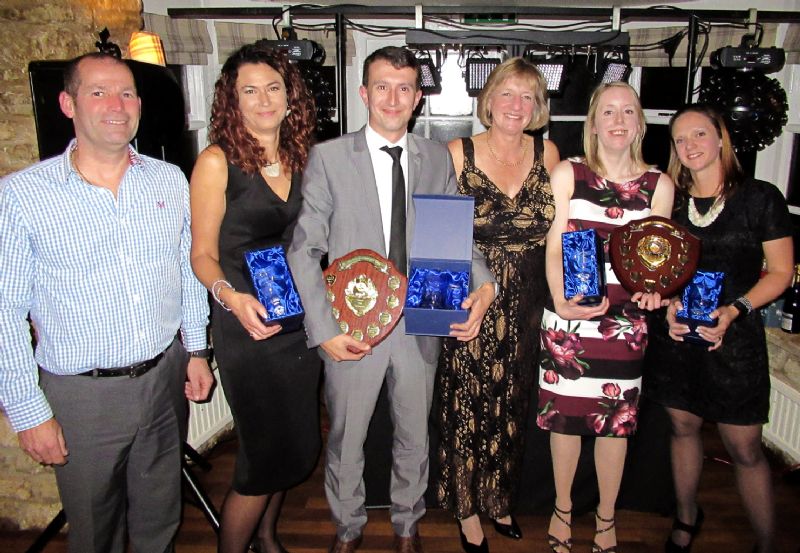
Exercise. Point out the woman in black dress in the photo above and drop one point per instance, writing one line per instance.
(245, 195)
(741, 221)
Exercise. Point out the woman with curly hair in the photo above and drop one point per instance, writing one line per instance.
(590, 370)
(245, 195)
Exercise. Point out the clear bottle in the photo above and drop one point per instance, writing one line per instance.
(790, 321)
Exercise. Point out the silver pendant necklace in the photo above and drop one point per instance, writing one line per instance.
(709, 216)
(273, 169)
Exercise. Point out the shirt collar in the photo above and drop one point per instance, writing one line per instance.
(134, 158)
(375, 141)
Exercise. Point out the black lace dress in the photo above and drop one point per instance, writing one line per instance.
(731, 384)
(484, 386)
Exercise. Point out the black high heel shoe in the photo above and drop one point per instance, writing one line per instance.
(692, 529)
(553, 542)
(468, 547)
(611, 524)
(512, 530)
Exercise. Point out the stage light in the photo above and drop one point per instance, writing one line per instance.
(754, 106)
(478, 70)
(612, 71)
(431, 80)
(554, 71)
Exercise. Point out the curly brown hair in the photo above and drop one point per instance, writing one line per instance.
(227, 126)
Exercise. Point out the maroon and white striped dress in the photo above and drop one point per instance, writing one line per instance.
(590, 372)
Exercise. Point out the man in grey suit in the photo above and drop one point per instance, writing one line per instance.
(347, 205)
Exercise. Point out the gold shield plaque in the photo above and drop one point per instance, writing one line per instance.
(653, 254)
(366, 292)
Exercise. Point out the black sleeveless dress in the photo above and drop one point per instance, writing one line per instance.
(484, 386)
(271, 385)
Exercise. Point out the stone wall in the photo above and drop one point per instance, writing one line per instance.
(41, 30)
(48, 30)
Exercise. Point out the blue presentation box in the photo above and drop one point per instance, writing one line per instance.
(584, 266)
(439, 264)
(274, 287)
(700, 297)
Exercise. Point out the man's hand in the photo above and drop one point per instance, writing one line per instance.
(477, 302)
(44, 443)
(199, 379)
(345, 348)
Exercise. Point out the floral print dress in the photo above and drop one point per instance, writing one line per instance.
(590, 372)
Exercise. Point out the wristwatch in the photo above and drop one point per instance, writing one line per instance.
(201, 353)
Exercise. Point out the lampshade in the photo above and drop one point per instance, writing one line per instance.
(146, 47)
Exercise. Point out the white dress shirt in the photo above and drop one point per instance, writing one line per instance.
(382, 166)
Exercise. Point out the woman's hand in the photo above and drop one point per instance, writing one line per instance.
(649, 300)
(250, 312)
(676, 329)
(724, 315)
(570, 310)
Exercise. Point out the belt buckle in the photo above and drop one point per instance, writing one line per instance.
(138, 370)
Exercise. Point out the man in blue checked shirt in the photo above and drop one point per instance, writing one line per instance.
(94, 246)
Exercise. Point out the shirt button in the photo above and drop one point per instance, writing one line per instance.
(136, 298)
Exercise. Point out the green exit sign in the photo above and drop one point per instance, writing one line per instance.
(497, 18)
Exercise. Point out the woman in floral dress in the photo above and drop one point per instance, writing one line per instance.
(591, 360)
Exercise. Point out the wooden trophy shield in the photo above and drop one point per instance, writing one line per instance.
(367, 294)
(653, 254)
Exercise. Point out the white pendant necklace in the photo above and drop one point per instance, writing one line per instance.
(709, 216)
(273, 169)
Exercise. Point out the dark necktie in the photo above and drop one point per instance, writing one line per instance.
(397, 229)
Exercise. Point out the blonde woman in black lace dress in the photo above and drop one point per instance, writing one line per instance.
(483, 386)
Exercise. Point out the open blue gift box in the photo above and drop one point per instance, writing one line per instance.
(274, 287)
(440, 263)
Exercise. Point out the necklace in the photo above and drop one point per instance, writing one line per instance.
(507, 163)
(709, 216)
(78, 169)
(273, 169)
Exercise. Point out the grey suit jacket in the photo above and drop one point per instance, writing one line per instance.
(341, 213)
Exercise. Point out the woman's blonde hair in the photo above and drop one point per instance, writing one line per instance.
(516, 67)
(590, 137)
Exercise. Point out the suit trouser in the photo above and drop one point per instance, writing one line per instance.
(123, 468)
(351, 392)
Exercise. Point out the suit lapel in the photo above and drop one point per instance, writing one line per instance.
(368, 193)
(415, 171)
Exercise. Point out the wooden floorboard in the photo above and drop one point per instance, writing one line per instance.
(305, 525)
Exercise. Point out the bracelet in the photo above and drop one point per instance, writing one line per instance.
(215, 290)
(743, 305)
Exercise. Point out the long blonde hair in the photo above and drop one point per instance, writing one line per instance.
(590, 137)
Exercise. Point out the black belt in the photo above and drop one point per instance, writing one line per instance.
(132, 370)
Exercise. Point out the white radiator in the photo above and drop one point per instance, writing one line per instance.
(783, 430)
(210, 419)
